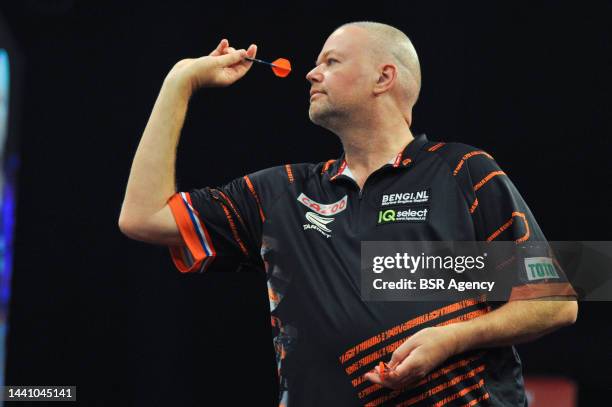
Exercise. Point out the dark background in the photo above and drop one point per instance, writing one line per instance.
(526, 82)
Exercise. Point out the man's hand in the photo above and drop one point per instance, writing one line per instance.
(513, 323)
(416, 357)
(222, 67)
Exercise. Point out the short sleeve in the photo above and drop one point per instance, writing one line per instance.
(500, 213)
(222, 223)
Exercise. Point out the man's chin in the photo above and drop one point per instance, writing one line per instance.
(317, 120)
(327, 118)
(313, 116)
(318, 117)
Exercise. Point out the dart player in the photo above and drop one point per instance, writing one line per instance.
(303, 224)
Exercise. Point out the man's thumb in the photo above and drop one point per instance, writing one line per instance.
(232, 57)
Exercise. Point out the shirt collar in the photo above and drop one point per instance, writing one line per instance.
(403, 159)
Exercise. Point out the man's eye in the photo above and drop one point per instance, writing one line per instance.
(329, 61)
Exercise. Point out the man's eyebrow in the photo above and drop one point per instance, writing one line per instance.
(327, 53)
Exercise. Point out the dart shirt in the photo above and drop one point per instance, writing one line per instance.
(303, 224)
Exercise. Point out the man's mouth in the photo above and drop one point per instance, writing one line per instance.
(314, 95)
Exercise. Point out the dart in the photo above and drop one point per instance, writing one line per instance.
(281, 67)
(381, 370)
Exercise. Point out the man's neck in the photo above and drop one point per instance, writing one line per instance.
(366, 150)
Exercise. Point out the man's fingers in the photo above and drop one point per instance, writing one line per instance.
(373, 377)
(409, 381)
(390, 379)
(219, 50)
(411, 369)
(399, 356)
(224, 49)
(232, 58)
(404, 376)
(252, 51)
(402, 352)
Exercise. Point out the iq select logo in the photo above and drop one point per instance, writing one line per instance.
(394, 215)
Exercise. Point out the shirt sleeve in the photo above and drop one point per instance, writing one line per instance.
(220, 224)
(501, 214)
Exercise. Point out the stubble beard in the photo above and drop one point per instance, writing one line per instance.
(328, 117)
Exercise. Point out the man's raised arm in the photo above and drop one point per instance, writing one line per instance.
(145, 214)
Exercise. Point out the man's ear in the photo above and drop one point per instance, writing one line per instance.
(387, 75)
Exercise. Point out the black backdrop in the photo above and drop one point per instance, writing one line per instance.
(526, 82)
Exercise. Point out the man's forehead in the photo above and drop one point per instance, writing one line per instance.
(343, 41)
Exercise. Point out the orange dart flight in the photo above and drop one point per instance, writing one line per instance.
(381, 370)
(281, 67)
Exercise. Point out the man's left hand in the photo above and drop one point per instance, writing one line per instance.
(416, 357)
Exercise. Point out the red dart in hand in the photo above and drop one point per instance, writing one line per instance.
(281, 67)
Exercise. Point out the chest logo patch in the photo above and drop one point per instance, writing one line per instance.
(407, 214)
(320, 215)
(324, 209)
(402, 198)
(318, 223)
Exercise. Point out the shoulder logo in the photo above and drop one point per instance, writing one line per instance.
(540, 268)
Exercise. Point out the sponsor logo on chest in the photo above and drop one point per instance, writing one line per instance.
(324, 209)
(417, 214)
(402, 198)
(322, 214)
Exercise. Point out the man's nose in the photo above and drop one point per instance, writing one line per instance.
(313, 75)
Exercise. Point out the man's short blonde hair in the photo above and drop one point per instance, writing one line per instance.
(388, 41)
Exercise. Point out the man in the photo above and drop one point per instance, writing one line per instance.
(304, 224)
